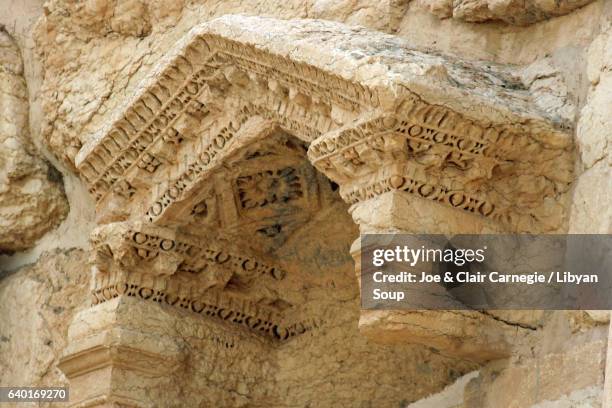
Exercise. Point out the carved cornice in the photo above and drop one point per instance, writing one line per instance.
(180, 90)
(159, 265)
(420, 143)
(214, 304)
(467, 127)
(133, 245)
(424, 128)
(435, 154)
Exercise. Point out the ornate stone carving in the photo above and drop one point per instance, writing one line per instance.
(128, 245)
(208, 171)
(214, 304)
(151, 263)
(268, 187)
(357, 124)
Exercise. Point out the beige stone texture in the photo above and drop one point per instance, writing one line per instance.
(37, 305)
(450, 397)
(31, 191)
(220, 159)
(548, 377)
(214, 345)
(509, 11)
(591, 211)
(565, 39)
(395, 87)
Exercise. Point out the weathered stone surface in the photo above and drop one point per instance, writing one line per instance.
(88, 93)
(473, 336)
(571, 375)
(591, 212)
(221, 265)
(557, 367)
(198, 359)
(31, 192)
(380, 118)
(37, 304)
(132, 36)
(239, 341)
(509, 11)
(389, 106)
(322, 366)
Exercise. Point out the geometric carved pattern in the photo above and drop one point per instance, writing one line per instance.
(216, 304)
(275, 190)
(203, 162)
(126, 242)
(121, 256)
(218, 145)
(222, 83)
(267, 188)
(429, 142)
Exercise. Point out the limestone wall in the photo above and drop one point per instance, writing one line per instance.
(37, 304)
(65, 66)
(591, 214)
(31, 197)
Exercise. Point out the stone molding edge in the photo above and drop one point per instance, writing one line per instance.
(112, 280)
(101, 356)
(132, 243)
(101, 400)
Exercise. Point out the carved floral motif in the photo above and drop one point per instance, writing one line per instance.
(268, 187)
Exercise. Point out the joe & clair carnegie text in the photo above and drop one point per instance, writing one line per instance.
(473, 277)
(459, 257)
(479, 277)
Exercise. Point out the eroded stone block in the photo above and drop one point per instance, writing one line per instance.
(32, 200)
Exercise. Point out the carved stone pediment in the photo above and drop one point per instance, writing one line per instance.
(213, 178)
(380, 116)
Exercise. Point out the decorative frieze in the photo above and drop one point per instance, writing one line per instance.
(132, 244)
(199, 282)
(199, 164)
(438, 193)
(355, 123)
(214, 304)
(148, 120)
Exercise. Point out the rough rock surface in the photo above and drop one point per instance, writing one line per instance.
(32, 201)
(592, 212)
(517, 12)
(37, 304)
